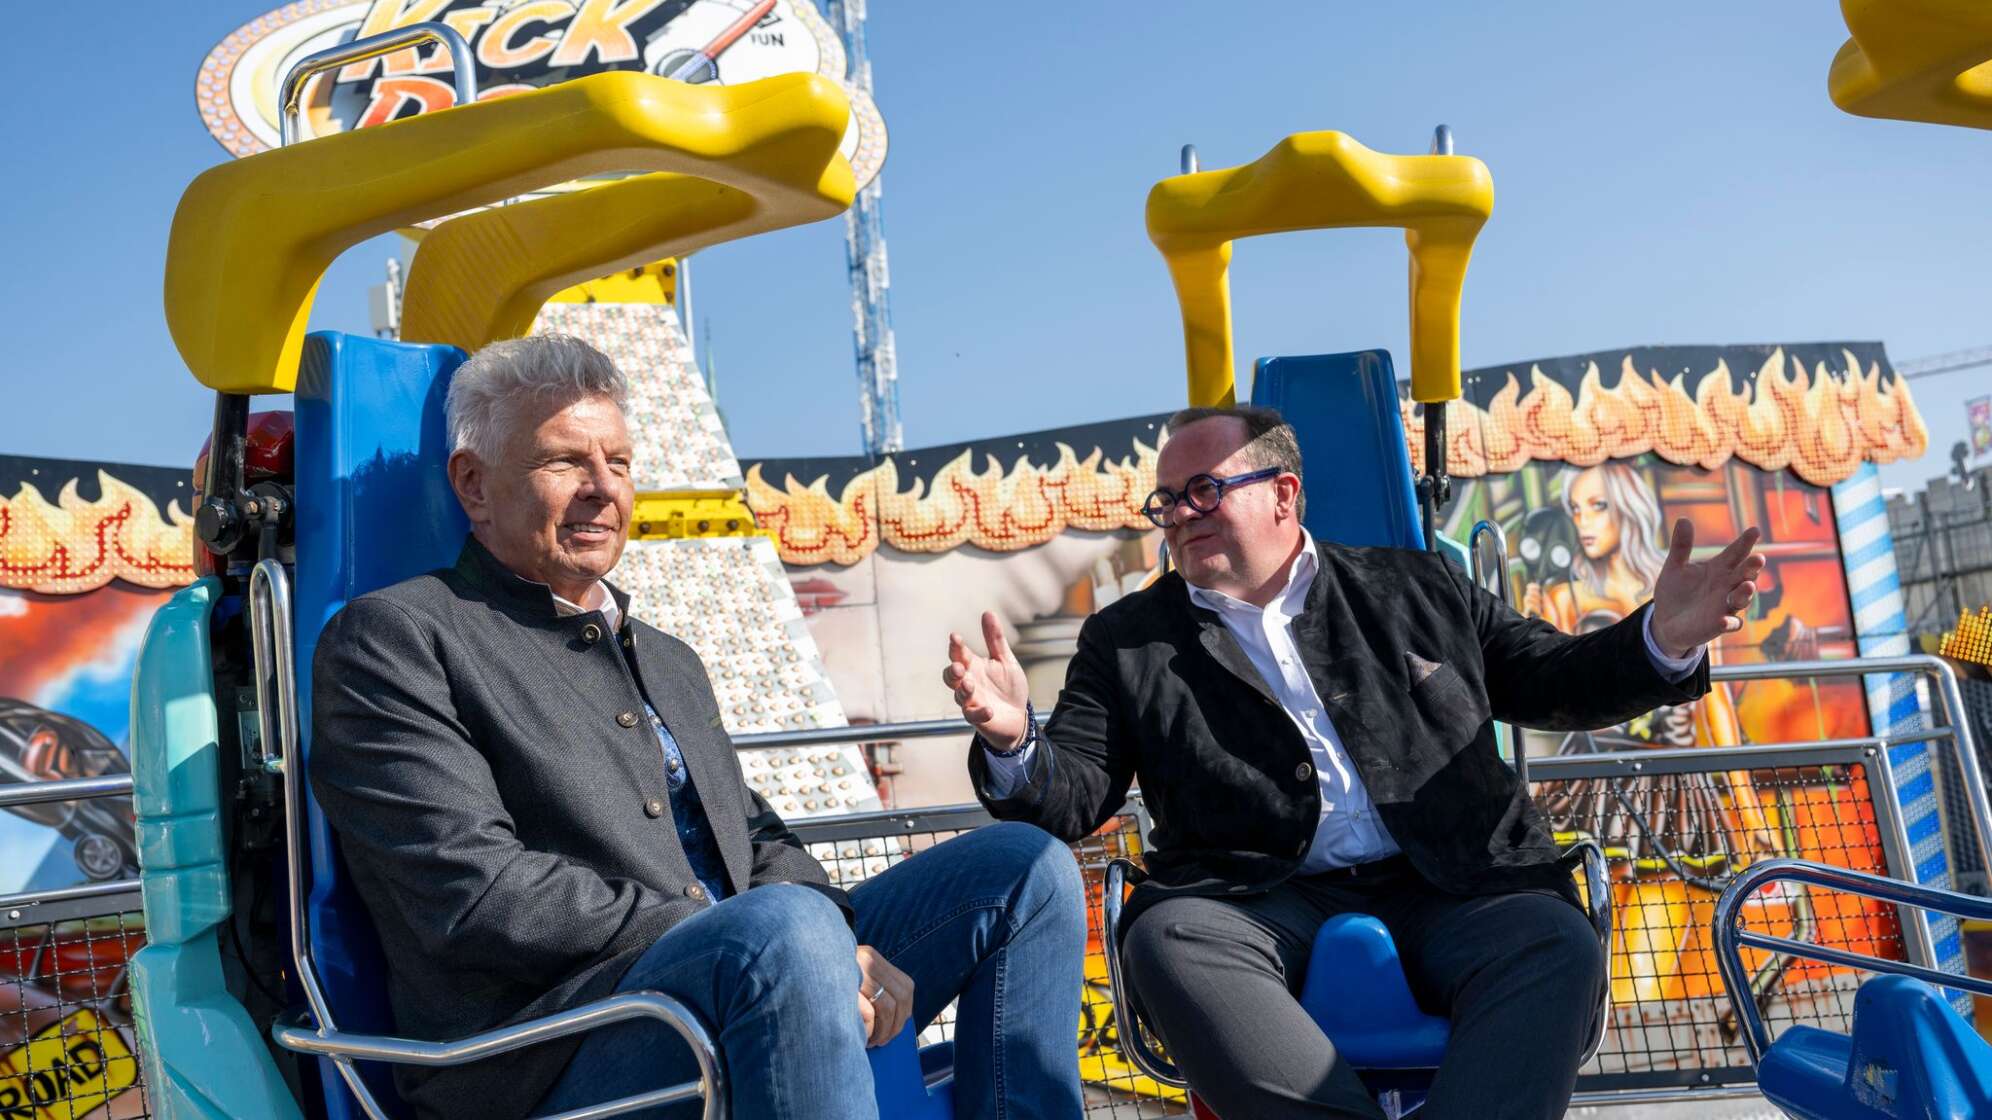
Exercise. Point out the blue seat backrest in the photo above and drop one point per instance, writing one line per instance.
(374, 507)
(1352, 450)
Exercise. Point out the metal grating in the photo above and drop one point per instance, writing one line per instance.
(1671, 1023)
(67, 1045)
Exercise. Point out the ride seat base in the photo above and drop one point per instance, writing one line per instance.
(1356, 992)
(1911, 1055)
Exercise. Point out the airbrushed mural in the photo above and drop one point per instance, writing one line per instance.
(1584, 461)
(87, 552)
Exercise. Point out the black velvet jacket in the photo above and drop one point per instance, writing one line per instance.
(500, 801)
(1411, 661)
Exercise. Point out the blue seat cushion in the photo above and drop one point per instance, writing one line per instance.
(1355, 990)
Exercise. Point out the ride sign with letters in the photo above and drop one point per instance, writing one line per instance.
(515, 45)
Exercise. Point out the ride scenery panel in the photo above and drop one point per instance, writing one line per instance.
(88, 551)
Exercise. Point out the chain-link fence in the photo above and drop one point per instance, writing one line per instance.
(67, 1046)
(1675, 830)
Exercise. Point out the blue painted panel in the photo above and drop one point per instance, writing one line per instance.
(374, 507)
(1352, 451)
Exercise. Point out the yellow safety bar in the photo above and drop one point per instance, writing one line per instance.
(252, 237)
(1322, 180)
(1916, 60)
(484, 276)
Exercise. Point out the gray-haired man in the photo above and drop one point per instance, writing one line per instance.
(539, 804)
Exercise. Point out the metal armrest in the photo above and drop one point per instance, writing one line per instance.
(1127, 1025)
(1598, 895)
(1731, 937)
(345, 1048)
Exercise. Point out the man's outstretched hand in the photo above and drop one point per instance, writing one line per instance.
(1698, 601)
(990, 691)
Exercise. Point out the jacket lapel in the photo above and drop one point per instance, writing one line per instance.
(1217, 641)
(1324, 626)
(673, 688)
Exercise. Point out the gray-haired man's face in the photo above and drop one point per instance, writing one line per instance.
(555, 507)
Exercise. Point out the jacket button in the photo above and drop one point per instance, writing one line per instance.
(591, 633)
(654, 807)
(627, 719)
(695, 892)
(1303, 772)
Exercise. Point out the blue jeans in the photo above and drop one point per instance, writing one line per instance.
(995, 917)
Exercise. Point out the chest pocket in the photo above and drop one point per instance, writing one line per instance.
(1443, 714)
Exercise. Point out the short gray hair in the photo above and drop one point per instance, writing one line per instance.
(545, 369)
(1269, 440)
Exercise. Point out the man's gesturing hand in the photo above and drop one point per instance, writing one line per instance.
(1697, 601)
(991, 691)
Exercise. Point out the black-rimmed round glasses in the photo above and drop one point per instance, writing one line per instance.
(1202, 493)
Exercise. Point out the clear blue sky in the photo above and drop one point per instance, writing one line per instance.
(1664, 174)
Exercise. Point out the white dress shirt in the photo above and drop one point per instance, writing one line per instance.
(598, 598)
(1349, 831)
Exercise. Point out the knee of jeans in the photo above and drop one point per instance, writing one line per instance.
(804, 941)
(1046, 873)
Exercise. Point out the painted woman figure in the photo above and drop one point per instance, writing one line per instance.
(1661, 823)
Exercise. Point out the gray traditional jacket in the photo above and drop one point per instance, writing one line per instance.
(501, 801)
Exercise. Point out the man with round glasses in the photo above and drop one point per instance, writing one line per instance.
(1310, 727)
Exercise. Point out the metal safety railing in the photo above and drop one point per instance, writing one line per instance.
(1732, 938)
(269, 601)
(21, 905)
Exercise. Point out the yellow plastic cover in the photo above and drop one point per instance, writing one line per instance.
(1916, 60)
(1322, 180)
(484, 276)
(252, 237)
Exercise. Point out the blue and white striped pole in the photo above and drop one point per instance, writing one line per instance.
(1881, 628)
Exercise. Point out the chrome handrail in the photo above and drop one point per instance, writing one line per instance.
(1598, 894)
(275, 674)
(1517, 749)
(854, 733)
(345, 1048)
(108, 887)
(1730, 937)
(67, 789)
(1957, 720)
(1127, 1027)
(290, 92)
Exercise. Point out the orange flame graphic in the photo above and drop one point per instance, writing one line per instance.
(73, 545)
(999, 510)
(1820, 425)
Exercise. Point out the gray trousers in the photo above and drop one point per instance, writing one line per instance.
(1519, 974)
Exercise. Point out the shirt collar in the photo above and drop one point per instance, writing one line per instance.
(1300, 577)
(597, 599)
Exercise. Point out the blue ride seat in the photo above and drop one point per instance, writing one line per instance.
(1343, 408)
(1356, 993)
(1910, 1056)
(374, 507)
